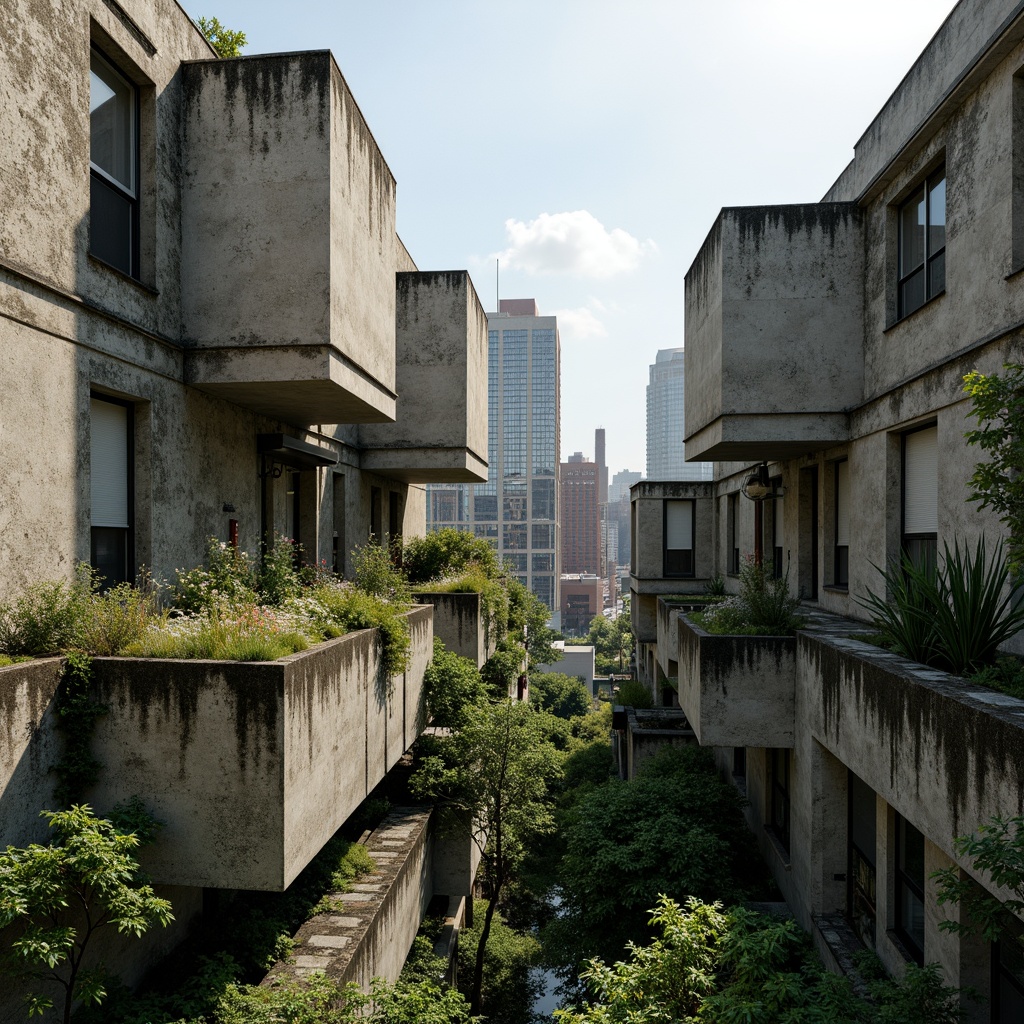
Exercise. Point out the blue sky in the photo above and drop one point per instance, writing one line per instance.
(590, 145)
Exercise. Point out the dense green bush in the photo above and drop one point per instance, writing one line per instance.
(44, 620)
(448, 553)
(634, 694)
(376, 574)
(564, 696)
(451, 684)
(763, 607)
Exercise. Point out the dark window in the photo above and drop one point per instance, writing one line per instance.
(739, 762)
(841, 564)
(921, 495)
(543, 500)
(922, 244)
(910, 888)
(111, 485)
(395, 519)
(734, 533)
(777, 523)
(113, 165)
(778, 779)
(376, 515)
(1008, 974)
(861, 897)
(679, 534)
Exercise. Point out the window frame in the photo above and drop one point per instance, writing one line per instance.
(923, 189)
(779, 796)
(904, 883)
(840, 552)
(856, 893)
(104, 180)
(921, 541)
(688, 571)
(734, 533)
(129, 530)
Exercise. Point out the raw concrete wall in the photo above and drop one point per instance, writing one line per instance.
(737, 691)
(253, 766)
(460, 623)
(648, 731)
(440, 434)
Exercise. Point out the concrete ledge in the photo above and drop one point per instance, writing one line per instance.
(370, 933)
(648, 731)
(737, 691)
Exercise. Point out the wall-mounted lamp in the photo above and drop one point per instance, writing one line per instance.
(758, 486)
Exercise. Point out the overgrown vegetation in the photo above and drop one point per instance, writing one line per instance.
(634, 694)
(561, 695)
(76, 719)
(763, 607)
(226, 41)
(612, 640)
(707, 964)
(953, 616)
(58, 896)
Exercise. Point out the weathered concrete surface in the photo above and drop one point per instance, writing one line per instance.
(371, 932)
(648, 731)
(440, 434)
(737, 691)
(287, 281)
(772, 371)
(460, 622)
(254, 766)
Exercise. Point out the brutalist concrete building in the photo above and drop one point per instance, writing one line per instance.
(826, 346)
(209, 327)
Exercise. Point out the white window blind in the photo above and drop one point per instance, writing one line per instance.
(678, 525)
(843, 504)
(109, 464)
(920, 481)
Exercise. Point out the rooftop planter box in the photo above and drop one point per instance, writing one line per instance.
(937, 747)
(737, 691)
(460, 622)
(252, 766)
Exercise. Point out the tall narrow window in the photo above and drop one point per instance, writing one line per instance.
(113, 165)
(110, 463)
(841, 567)
(922, 244)
(679, 527)
(779, 795)
(778, 510)
(910, 888)
(376, 516)
(861, 892)
(921, 495)
(734, 533)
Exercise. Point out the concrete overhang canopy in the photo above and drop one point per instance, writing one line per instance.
(290, 451)
(427, 465)
(767, 437)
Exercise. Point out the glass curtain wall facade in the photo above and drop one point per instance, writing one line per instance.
(665, 426)
(517, 509)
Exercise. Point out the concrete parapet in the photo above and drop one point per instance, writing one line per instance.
(460, 623)
(737, 691)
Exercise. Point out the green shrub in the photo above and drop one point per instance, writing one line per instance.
(564, 696)
(377, 575)
(277, 579)
(634, 694)
(715, 587)
(42, 621)
(111, 621)
(770, 608)
(348, 609)
(503, 668)
(953, 617)
(1006, 674)
(228, 577)
(447, 553)
(451, 683)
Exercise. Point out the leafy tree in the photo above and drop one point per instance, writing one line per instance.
(503, 667)
(60, 895)
(452, 685)
(634, 694)
(738, 966)
(490, 779)
(676, 828)
(225, 41)
(528, 612)
(612, 640)
(997, 403)
(996, 850)
(564, 696)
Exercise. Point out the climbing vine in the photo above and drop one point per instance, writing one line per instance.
(76, 721)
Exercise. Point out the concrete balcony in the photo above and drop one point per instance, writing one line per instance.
(288, 242)
(252, 766)
(460, 623)
(774, 332)
(440, 432)
(737, 691)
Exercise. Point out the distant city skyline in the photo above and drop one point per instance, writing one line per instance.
(666, 454)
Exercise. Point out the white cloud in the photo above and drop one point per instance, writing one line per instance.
(579, 324)
(571, 243)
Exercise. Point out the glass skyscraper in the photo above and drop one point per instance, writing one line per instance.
(517, 509)
(665, 455)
